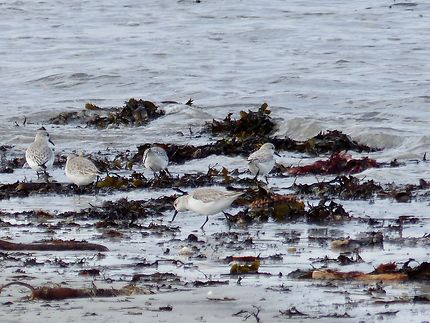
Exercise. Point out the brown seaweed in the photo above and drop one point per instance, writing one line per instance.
(365, 239)
(255, 124)
(246, 268)
(346, 187)
(52, 245)
(243, 147)
(338, 163)
(60, 293)
(279, 207)
(327, 211)
(257, 127)
(383, 272)
(134, 112)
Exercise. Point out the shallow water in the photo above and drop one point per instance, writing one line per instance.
(360, 67)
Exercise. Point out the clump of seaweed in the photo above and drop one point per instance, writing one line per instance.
(255, 124)
(365, 239)
(124, 212)
(246, 268)
(279, 207)
(113, 182)
(60, 293)
(255, 128)
(327, 211)
(24, 189)
(134, 112)
(338, 163)
(383, 272)
(346, 187)
(52, 245)
(333, 141)
(181, 153)
(245, 145)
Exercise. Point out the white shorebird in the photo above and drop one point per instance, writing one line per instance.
(156, 159)
(39, 155)
(80, 170)
(261, 162)
(205, 201)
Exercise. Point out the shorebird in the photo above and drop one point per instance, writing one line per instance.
(80, 170)
(156, 159)
(39, 155)
(205, 201)
(261, 162)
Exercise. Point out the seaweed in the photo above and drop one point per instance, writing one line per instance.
(258, 128)
(345, 187)
(330, 141)
(115, 182)
(133, 113)
(159, 278)
(243, 147)
(60, 293)
(421, 272)
(250, 124)
(247, 268)
(23, 189)
(125, 213)
(52, 245)
(365, 239)
(279, 207)
(384, 272)
(181, 153)
(338, 163)
(327, 211)
(333, 141)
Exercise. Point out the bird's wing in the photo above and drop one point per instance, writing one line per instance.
(210, 194)
(85, 166)
(40, 155)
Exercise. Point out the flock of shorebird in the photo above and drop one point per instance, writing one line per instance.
(205, 201)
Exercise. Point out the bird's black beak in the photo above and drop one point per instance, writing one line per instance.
(51, 142)
(174, 215)
(277, 154)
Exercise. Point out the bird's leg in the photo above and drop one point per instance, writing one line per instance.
(227, 216)
(174, 216)
(155, 173)
(46, 175)
(267, 180)
(207, 219)
(256, 176)
(79, 189)
(96, 183)
(164, 173)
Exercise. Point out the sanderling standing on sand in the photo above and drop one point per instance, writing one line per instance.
(39, 155)
(155, 159)
(205, 201)
(80, 170)
(261, 162)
